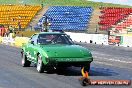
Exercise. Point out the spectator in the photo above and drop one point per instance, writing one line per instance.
(42, 5)
(2, 30)
(6, 31)
(19, 26)
(11, 29)
(13, 19)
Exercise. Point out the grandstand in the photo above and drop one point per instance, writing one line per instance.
(124, 24)
(67, 17)
(16, 15)
(30, 8)
(115, 17)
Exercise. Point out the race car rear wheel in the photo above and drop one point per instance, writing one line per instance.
(25, 62)
(40, 65)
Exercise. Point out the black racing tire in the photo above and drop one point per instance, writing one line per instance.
(40, 65)
(25, 62)
(60, 69)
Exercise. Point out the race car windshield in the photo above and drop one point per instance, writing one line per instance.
(54, 39)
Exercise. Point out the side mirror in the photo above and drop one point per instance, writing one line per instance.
(32, 42)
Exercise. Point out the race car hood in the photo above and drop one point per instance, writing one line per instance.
(60, 50)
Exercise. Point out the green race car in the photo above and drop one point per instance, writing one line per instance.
(54, 49)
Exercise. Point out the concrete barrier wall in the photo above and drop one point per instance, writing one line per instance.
(78, 37)
(17, 41)
(20, 40)
(7, 40)
(95, 38)
(99, 38)
(0, 39)
(127, 41)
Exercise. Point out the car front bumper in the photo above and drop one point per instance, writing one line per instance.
(69, 61)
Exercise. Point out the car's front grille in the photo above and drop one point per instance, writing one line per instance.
(73, 59)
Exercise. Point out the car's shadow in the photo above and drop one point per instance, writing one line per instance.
(98, 71)
(72, 71)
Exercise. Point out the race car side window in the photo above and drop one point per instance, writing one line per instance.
(34, 38)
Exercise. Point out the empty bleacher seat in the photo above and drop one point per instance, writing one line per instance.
(67, 17)
(112, 15)
(12, 14)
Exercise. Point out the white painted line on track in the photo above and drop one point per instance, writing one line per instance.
(103, 63)
(117, 60)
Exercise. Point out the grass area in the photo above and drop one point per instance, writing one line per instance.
(8, 2)
(62, 2)
(79, 3)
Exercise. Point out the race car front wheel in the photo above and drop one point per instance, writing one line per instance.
(40, 65)
(25, 62)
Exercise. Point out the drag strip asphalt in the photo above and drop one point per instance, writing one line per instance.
(109, 63)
